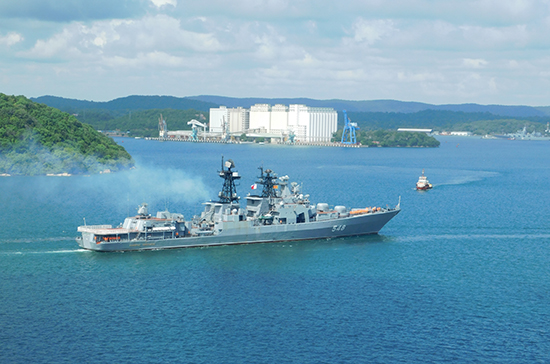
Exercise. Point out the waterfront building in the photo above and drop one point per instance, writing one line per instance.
(218, 116)
(308, 124)
(416, 130)
(234, 120)
(312, 124)
(322, 122)
(279, 119)
(260, 118)
(298, 120)
(239, 119)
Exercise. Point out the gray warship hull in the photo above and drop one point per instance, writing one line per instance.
(246, 233)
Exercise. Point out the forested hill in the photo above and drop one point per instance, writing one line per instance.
(36, 139)
(143, 123)
(137, 114)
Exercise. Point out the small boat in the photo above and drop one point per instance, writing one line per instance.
(423, 183)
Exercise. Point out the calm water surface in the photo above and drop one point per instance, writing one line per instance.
(462, 274)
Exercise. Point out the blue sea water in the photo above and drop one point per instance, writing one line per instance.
(462, 274)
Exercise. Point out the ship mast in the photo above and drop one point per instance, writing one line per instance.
(228, 193)
(268, 181)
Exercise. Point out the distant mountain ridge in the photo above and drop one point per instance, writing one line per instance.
(129, 103)
(205, 102)
(381, 105)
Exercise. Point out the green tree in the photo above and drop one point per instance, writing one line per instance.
(38, 139)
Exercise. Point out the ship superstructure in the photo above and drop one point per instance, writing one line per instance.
(280, 212)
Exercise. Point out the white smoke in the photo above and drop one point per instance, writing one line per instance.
(29, 158)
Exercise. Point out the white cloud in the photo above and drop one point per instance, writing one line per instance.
(493, 37)
(432, 51)
(11, 38)
(269, 45)
(474, 63)
(508, 10)
(58, 44)
(371, 31)
(308, 61)
(350, 75)
(237, 9)
(100, 40)
(513, 64)
(493, 84)
(161, 3)
(418, 77)
(150, 59)
(311, 26)
(124, 38)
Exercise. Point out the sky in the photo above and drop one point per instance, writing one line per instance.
(433, 51)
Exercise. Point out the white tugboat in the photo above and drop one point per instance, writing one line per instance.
(423, 183)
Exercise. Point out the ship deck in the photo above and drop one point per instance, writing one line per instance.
(104, 230)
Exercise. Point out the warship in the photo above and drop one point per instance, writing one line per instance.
(522, 134)
(280, 212)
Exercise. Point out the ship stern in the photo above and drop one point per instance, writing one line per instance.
(87, 240)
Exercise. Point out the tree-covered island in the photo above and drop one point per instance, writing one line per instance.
(36, 139)
(391, 138)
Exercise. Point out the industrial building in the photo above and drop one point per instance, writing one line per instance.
(307, 124)
(218, 117)
(416, 130)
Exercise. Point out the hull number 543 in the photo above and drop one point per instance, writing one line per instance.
(338, 228)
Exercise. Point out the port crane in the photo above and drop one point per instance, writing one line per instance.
(163, 130)
(195, 129)
(348, 134)
(225, 130)
(291, 136)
